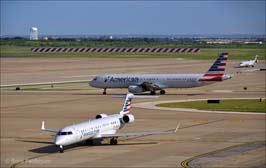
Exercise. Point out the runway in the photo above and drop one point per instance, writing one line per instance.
(24, 145)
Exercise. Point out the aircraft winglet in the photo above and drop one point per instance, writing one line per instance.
(177, 127)
(43, 127)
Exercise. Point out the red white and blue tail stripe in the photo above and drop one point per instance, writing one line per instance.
(216, 71)
(126, 106)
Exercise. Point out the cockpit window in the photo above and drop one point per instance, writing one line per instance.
(65, 133)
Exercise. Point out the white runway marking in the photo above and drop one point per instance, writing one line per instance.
(43, 83)
(78, 76)
(222, 91)
(251, 70)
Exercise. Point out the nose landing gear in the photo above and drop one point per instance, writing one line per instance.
(104, 91)
(61, 149)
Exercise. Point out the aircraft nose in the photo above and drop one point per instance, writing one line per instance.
(59, 141)
(92, 83)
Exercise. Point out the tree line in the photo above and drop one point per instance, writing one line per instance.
(125, 42)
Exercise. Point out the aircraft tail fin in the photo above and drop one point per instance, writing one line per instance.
(127, 104)
(216, 71)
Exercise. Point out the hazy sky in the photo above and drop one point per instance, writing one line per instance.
(133, 17)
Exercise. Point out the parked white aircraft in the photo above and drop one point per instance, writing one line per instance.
(103, 126)
(249, 63)
(138, 83)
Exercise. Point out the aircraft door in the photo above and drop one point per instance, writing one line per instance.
(78, 134)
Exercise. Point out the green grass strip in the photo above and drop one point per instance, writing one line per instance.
(204, 54)
(239, 105)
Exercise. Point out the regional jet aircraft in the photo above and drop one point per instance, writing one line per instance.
(103, 126)
(249, 63)
(138, 83)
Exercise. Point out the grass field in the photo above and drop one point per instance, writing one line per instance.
(204, 54)
(241, 105)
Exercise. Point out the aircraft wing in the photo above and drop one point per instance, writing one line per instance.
(140, 133)
(48, 130)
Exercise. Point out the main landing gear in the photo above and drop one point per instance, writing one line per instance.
(104, 91)
(113, 141)
(162, 92)
(153, 93)
(61, 149)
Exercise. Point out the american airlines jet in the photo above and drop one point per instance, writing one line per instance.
(249, 63)
(103, 126)
(138, 83)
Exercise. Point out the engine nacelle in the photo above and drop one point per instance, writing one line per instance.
(128, 118)
(135, 89)
(100, 116)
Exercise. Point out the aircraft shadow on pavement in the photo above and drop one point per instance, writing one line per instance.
(53, 149)
(128, 144)
(45, 149)
(41, 142)
(146, 94)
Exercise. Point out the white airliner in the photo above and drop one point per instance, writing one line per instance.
(103, 126)
(249, 63)
(138, 83)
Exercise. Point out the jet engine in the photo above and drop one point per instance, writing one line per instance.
(128, 118)
(135, 89)
(100, 116)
